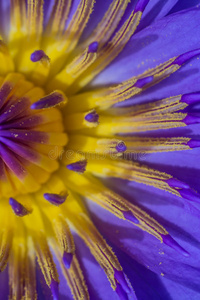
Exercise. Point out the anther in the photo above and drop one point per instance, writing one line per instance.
(38, 55)
(18, 208)
(93, 47)
(51, 100)
(140, 83)
(121, 293)
(92, 117)
(168, 240)
(194, 143)
(140, 6)
(67, 259)
(190, 98)
(55, 199)
(128, 215)
(175, 183)
(54, 289)
(119, 275)
(191, 119)
(79, 166)
(189, 195)
(181, 59)
(121, 147)
(184, 190)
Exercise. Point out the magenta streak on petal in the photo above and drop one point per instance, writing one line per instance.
(191, 98)
(18, 208)
(24, 123)
(121, 147)
(20, 149)
(93, 47)
(140, 83)
(181, 59)
(12, 162)
(168, 240)
(48, 101)
(67, 259)
(119, 275)
(92, 117)
(128, 215)
(4, 92)
(37, 55)
(79, 166)
(55, 198)
(25, 135)
(11, 110)
(54, 289)
(141, 4)
(191, 119)
(121, 293)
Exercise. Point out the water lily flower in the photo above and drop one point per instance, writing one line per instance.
(99, 138)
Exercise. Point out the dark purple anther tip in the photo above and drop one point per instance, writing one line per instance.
(119, 275)
(128, 215)
(181, 59)
(79, 166)
(189, 195)
(37, 55)
(175, 183)
(191, 119)
(49, 101)
(18, 208)
(140, 83)
(190, 98)
(169, 241)
(93, 47)
(54, 289)
(67, 259)
(140, 6)
(121, 293)
(92, 117)
(194, 143)
(55, 198)
(121, 147)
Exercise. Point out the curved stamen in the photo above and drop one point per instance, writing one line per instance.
(191, 98)
(93, 47)
(67, 259)
(79, 166)
(183, 58)
(129, 216)
(168, 240)
(52, 100)
(54, 289)
(141, 4)
(121, 147)
(119, 275)
(140, 83)
(37, 55)
(55, 198)
(92, 117)
(121, 293)
(18, 208)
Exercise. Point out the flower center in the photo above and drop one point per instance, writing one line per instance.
(29, 133)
